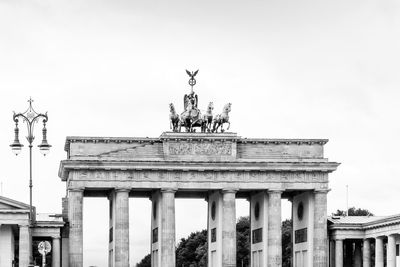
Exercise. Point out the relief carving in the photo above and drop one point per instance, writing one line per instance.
(200, 149)
(205, 176)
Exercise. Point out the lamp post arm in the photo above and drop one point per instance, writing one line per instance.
(30, 122)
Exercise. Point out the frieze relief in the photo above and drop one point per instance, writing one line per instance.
(203, 176)
(214, 148)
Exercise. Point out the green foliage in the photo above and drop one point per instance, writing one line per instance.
(287, 245)
(243, 241)
(145, 262)
(353, 212)
(192, 251)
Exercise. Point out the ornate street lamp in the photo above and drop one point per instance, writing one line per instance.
(30, 117)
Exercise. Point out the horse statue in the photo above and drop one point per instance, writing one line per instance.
(222, 118)
(173, 119)
(207, 118)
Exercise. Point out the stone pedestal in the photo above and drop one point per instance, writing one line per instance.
(379, 252)
(338, 253)
(228, 228)
(320, 251)
(366, 253)
(75, 216)
(24, 245)
(274, 229)
(391, 251)
(56, 252)
(121, 228)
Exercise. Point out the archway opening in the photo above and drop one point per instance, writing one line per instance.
(191, 231)
(95, 231)
(139, 230)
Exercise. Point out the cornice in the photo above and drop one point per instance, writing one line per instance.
(84, 139)
(387, 221)
(168, 136)
(284, 141)
(14, 211)
(220, 166)
(45, 224)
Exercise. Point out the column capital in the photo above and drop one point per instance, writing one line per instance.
(321, 190)
(275, 191)
(76, 189)
(393, 235)
(24, 224)
(339, 239)
(229, 190)
(55, 237)
(122, 189)
(168, 190)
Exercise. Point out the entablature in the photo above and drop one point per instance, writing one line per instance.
(66, 166)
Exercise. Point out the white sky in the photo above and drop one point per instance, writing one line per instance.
(291, 69)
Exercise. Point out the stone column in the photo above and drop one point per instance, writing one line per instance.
(391, 251)
(121, 230)
(24, 245)
(331, 253)
(228, 228)
(357, 254)
(167, 228)
(366, 253)
(338, 253)
(75, 216)
(274, 228)
(320, 251)
(56, 252)
(379, 252)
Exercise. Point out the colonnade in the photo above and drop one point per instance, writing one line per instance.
(25, 247)
(221, 226)
(357, 252)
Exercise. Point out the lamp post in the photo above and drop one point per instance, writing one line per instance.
(30, 117)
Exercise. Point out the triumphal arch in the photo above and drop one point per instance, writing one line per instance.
(217, 166)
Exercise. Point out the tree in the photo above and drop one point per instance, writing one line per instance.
(243, 241)
(192, 251)
(287, 245)
(353, 212)
(145, 262)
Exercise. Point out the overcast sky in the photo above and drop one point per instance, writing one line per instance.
(291, 69)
